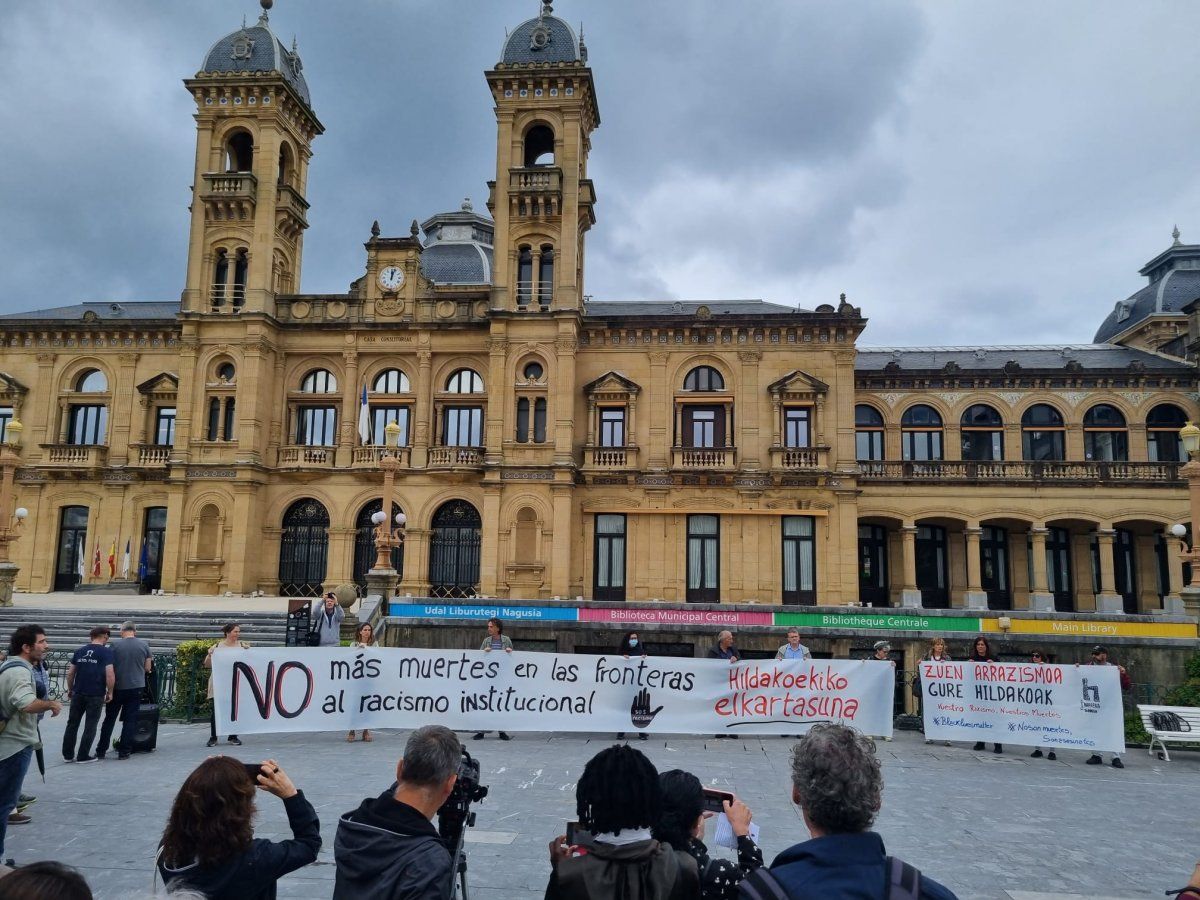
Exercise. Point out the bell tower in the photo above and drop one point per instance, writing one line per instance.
(542, 200)
(254, 130)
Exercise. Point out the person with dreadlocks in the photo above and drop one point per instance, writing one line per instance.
(618, 800)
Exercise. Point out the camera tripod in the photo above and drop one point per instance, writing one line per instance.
(458, 867)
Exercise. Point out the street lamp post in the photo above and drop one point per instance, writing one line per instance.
(10, 520)
(1189, 435)
(383, 579)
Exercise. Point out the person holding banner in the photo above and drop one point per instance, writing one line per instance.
(631, 645)
(495, 642)
(1100, 658)
(364, 638)
(981, 651)
(937, 654)
(232, 632)
(724, 648)
(793, 649)
(1038, 658)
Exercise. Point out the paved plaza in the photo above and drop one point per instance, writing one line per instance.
(1000, 827)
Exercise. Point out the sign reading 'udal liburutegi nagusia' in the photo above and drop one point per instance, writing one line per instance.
(333, 688)
(1021, 703)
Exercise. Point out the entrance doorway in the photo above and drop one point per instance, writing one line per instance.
(931, 567)
(872, 565)
(454, 550)
(303, 549)
(72, 547)
(153, 539)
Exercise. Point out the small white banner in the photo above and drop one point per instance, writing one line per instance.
(337, 689)
(1070, 707)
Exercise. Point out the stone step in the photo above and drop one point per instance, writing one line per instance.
(163, 630)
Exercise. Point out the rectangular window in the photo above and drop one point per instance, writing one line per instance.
(522, 421)
(612, 427)
(922, 445)
(868, 445)
(799, 560)
(704, 426)
(982, 446)
(796, 427)
(6, 416)
(214, 419)
(539, 421)
(164, 426)
(380, 416)
(462, 426)
(316, 426)
(87, 425)
(610, 558)
(703, 559)
(227, 431)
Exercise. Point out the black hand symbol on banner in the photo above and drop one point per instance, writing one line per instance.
(640, 711)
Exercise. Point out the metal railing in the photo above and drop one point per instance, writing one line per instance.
(162, 679)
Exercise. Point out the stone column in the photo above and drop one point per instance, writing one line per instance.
(174, 551)
(1108, 600)
(560, 560)
(351, 397)
(489, 551)
(747, 440)
(1173, 601)
(563, 399)
(975, 597)
(660, 397)
(421, 416)
(1040, 598)
(416, 562)
(910, 595)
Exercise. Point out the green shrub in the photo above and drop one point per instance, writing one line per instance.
(1134, 732)
(1192, 667)
(1186, 694)
(191, 681)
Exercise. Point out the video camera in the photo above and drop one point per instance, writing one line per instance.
(455, 814)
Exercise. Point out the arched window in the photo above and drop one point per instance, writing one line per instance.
(524, 276)
(303, 549)
(391, 381)
(1042, 433)
(208, 534)
(1104, 435)
(220, 279)
(91, 382)
(539, 146)
(525, 550)
(464, 381)
(454, 550)
(704, 378)
(319, 381)
(545, 289)
(239, 152)
(921, 433)
(868, 432)
(286, 164)
(982, 433)
(533, 372)
(1162, 433)
(241, 270)
(226, 372)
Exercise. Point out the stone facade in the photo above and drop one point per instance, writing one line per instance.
(740, 452)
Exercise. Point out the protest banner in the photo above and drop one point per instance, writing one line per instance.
(1069, 707)
(336, 689)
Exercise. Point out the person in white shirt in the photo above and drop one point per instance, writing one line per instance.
(793, 649)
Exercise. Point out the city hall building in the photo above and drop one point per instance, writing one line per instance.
(740, 452)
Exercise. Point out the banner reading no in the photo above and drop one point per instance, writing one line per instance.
(1020, 703)
(332, 688)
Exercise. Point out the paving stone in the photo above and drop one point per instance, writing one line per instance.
(1026, 830)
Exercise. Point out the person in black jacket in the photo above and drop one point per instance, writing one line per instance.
(209, 844)
(632, 646)
(981, 651)
(388, 849)
(681, 825)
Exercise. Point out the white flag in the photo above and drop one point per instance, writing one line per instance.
(125, 561)
(364, 418)
(81, 557)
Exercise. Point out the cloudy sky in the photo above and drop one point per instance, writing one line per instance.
(980, 171)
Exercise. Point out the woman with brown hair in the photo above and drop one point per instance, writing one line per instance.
(209, 844)
(981, 651)
(364, 638)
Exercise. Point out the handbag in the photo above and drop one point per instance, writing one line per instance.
(314, 634)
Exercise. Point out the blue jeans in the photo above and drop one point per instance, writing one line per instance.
(12, 774)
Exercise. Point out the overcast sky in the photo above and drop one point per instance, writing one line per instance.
(967, 172)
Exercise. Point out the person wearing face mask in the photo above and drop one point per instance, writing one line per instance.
(631, 646)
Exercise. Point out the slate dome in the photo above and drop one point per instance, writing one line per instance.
(458, 247)
(257, 49)
(1174, 277)
(544, 39)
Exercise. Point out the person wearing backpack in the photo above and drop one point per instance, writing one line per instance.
(19, 708)
(838, 785)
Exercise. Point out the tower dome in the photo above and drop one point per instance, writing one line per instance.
(544, 39)
(256, 49)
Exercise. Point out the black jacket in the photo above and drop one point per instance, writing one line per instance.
(642, 870)
(386, 850)
(719, 878)
(252, 875)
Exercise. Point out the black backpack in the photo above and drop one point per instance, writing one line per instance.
(904, 883)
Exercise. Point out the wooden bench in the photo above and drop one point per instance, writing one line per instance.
(1189, 719)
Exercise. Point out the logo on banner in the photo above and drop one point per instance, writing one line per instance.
(1090, 703)
(640, 712)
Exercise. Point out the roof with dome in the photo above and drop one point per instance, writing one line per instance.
(457, 248)
(257, 49)
(1174, 282)
(543, 39)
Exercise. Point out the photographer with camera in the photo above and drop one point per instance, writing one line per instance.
(388, 849)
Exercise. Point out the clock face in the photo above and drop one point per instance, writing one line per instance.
(391, 278)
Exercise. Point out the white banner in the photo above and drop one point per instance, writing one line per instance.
(338, 689)
(1072, 707)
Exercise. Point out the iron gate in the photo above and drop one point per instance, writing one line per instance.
(364, 544)
(303, 549)
(454, 550)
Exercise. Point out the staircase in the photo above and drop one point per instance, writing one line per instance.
(67, 629)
